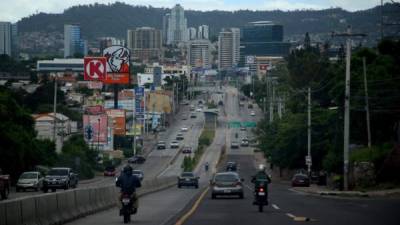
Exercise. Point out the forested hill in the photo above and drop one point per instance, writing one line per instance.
(114, 19)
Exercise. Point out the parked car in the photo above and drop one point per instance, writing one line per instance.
(300, 180)
(174, 144)
(188, 179)
(110, 171)
(226, 183)
(179, 137)
(231, 166)
(187, 150)
(245, 142)
(161, 145)
(138, 173)
(138, 159)
(60, 178)
(234, 144)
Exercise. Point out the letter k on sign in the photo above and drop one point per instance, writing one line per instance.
(95, 68)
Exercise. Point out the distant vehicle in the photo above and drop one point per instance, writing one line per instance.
(179, 137)
(138, 173)
(60, 178)
(193, 115)
(245, 142)
(300, 180)
(188, 179)
(241, 104)
(231, 166)
(220, 103)
(110, 171)
(185, 117)
(5, 184)
(234, 144)
(243, 128)
(161, 145)
(200, 102)
(226, 183)
(252, 113)
(138, 159)
(187, 150)
(30, 180)
(198, 110)
(161, 129)
(174, 144)
(184, 129)
(250, 106)
(192, 108)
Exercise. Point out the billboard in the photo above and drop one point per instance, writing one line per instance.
(158, 102)
(139, 103)
(94, 68)
(127, 104)
(95, 110)
(118, 120)
(98, 126)
(137, 131)
(117, 65)
(95, 85)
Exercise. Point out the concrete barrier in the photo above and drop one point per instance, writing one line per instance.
(83, 203)
(28, 211)
(3, 214)
(66, 200)
(13, 212)
(47, 209)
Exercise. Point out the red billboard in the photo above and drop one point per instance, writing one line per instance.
(98, 124)
(117, 65)
(95, 68)
(118, 120)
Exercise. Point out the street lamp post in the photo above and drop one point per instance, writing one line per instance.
(98, 134)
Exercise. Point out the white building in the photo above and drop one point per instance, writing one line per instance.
(144, 78)
(199, 53)
(192, 33)
(228, 48)
(177, 26)
(44, 126)
(203, 32)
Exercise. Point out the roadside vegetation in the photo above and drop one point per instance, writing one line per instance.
(205, 140)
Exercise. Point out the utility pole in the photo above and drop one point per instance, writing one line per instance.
(308, 160)
(367, 103)
(381, 11)
(271, 105)
(55, 110)
(348, 35)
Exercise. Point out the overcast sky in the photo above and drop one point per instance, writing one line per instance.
(14, 10)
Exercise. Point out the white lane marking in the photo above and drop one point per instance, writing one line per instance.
(290, 215)
(275, 207)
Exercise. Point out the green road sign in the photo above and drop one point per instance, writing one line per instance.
(238, 124)
(249, 124)
(234, 124)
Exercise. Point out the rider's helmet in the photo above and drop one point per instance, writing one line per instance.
(261, 168)
(128, 170)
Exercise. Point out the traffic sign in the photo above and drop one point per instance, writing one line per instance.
(95, 68)
(308, 160)
(88, 132)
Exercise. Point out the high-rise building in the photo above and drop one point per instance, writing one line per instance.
(105, 42)
(145, 44)
(192, 33)
(203, 32)
(228, 48)
(177, 26)
(199, 53)
(165, 27)
(73, 43)
(5, 38)
(263, 38)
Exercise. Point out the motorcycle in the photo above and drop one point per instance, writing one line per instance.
(126, 210)
(261, 198)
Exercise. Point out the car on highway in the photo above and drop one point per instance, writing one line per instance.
(226, 183)
(252, 113)
(250, 106)
(29, 180)
(188, 179)
(138, 173)
(199, 110)
(193, 115)
(174, 144)
(234, 144)
(110, 171)
(137, 159)
(192, 108)
(300, 180)
(243, 128)
(161, 145)
(245, 142)
(179, 137)
(231, 166)
(184, 129)
(60, 178)
(187, 150)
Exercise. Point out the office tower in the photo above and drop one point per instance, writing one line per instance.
(165, 27)
(145, 44)
(203, 32)
(199, 53)
(5, 38)
(73, 43)
(192, 33)
(177, 26)
(228, 48)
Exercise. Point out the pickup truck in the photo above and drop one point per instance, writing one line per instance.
(60, 178)
(4, 185)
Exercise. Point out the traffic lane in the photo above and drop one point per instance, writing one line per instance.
(329, 211)
(154, 209)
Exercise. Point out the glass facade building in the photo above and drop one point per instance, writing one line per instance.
(73, 42)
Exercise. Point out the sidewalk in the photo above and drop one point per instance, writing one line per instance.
(322, 190)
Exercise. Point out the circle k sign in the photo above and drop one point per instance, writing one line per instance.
(95, 68)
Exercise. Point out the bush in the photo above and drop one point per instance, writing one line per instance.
(375, 154)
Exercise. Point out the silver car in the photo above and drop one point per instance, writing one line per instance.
(226, 183)
(30, 180)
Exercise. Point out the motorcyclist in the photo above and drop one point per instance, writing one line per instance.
(128, 183)
(261, 179)
(206, 166)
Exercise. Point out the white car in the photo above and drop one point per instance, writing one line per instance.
(198, 110)
(174, 144)
(252, 113)
(184, 129)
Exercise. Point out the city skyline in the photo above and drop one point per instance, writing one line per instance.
(18, 9)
